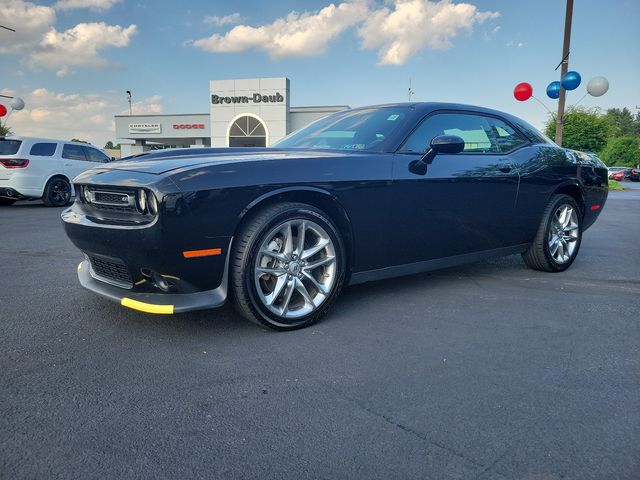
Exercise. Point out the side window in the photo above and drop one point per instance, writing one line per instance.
(480, 134)
(95, 155)
(73, 152)
(43, 149)
(505, 136)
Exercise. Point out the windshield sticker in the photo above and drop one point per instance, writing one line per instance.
(393, 117)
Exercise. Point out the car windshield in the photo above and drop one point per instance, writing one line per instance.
(362, 129)
(9, 147)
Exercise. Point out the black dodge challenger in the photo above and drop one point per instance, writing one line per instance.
(361, 195)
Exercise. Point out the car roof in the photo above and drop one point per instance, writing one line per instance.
(432, 106)
(40, 139)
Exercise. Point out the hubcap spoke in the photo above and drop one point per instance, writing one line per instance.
(321, 288)
(303, 291)
(288, 240)
(278, 256)
(318, 263)
(310, 252)
(287, 294)
(302, 228)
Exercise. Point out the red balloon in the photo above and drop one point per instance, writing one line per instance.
(3, 110)
(523, 91)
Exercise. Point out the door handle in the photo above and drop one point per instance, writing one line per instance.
(67, 164)
(504, 168)
(505, 165)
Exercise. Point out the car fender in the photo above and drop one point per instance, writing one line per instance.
(336, 211)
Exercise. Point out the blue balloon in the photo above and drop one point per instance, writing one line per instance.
(571, 80)
(553, 90)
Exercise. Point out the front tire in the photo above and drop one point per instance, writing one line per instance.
(57, 193)
(559, 235)
(288, 266)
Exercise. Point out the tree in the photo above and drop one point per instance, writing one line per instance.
(622, 151)
(109, 145)
(623, 122)
(79, 141)
(584, 129)
(5, 131)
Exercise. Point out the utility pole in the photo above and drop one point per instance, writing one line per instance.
(411, 92)
(563, 70)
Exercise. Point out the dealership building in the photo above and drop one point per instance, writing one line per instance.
(242, 113)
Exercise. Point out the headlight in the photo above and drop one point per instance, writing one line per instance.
(153, 203)
(142, 201)
(86, 194)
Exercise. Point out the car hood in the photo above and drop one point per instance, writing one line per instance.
(159, 165)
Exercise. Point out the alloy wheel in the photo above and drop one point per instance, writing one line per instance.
(295, 268)
(564, 232)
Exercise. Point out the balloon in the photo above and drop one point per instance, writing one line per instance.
(553, 90)
(597, 86)
(3, 110)
(523, 92)
(571, 80)
(17, 103)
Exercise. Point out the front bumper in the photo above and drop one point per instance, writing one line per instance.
(159, 303)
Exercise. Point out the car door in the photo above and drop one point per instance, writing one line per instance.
(74, 160)
(464, 202)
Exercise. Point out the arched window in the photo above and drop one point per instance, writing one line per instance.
(247, 131)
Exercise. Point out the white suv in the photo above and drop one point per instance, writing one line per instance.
(32, 168)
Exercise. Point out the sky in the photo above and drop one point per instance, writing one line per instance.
(73, 60)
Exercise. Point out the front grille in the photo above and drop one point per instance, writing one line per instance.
(115, 208)
(111, 270)
(111, 198)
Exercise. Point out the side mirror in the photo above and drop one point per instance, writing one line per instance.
(449, 144)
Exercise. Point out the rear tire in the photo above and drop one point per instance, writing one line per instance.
(6, 202)
(287, 266)
(57, 193)
(557, 241)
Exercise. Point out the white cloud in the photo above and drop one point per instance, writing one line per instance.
(79, 46)
(296, 35)
(512, 43)
(101, 5)
(224, 20)
(411, 25)
(396, 31)
(146, 106)
(30, 21)
(85, 116)
(40, 46)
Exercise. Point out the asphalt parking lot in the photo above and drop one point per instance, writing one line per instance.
(488, 371)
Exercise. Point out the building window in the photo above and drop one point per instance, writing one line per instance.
(247, 131)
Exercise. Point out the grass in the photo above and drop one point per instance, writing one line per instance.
(615, 186)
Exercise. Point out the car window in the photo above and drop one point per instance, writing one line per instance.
(364, 129)
(43, 149)
(481, 134)
(73, 152)
(9, 147)
(95, 155)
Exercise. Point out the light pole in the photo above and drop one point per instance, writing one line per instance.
(563, 70)
(129, 94)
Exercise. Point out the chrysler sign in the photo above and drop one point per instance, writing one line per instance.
(255, 98)
(145, 128)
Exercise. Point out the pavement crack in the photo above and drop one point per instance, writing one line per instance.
(407, 428)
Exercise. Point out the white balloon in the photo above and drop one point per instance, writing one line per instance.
(597, 86)
(17, 103)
